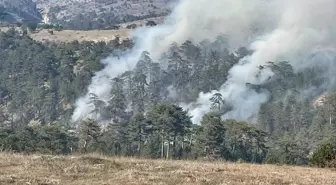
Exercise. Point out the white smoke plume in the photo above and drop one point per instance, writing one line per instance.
(275, 29)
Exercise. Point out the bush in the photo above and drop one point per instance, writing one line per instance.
(131, 26)
(323, 156)
(272, 159)
(151, 23)
(240, 161)
(58, 28)
(332, 164)
(32, 26)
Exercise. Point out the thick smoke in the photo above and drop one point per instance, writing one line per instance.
(275, 30)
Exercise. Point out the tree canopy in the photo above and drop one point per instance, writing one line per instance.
(142, 117)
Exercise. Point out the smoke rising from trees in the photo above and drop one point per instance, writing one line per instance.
(274, 30)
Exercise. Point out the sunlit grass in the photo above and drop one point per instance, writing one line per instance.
(95, 169)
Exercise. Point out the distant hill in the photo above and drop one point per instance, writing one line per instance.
(12, 11)
(100, 14)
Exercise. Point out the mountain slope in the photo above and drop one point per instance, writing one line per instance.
(12, 11)
(94, 14)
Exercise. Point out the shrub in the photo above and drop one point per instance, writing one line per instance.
(272, 159)
(323, 156)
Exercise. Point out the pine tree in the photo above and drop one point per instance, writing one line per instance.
(155, 85)
(179, 70)
(116, 109)
(139, 92)
(170, 121)
(214, 135)
(89, 133)
(98, 105)
(138, 126)
(217, 101)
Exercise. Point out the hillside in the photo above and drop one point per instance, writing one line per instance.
(90, 170)
(94, 14)
(19, 10)
(42, 81)
(89, 35)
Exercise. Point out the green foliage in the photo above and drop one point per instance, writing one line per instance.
(272, 159)
(214, 135)
(31, 25)
(89, 133)
(41, 82)
(43, 139)
(323, 156)
(172, 123)
(287, 150)
(245, 142)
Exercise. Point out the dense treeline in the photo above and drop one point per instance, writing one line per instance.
(40, 83)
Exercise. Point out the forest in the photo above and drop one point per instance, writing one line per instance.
(40, 83)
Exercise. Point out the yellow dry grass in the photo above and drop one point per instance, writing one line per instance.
(94, 169)
(71, 35)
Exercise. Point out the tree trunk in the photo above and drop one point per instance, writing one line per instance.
(167, 157)
(162, 146)
(139, 146)
(139, 143)
(174, 146)
(182, 144)
(85, 146)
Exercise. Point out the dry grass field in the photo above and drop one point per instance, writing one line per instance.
(71, 35)
(90, 35)
(94, 169)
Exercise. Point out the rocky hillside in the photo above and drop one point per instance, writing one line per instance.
(99, 14)
(12, 11)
